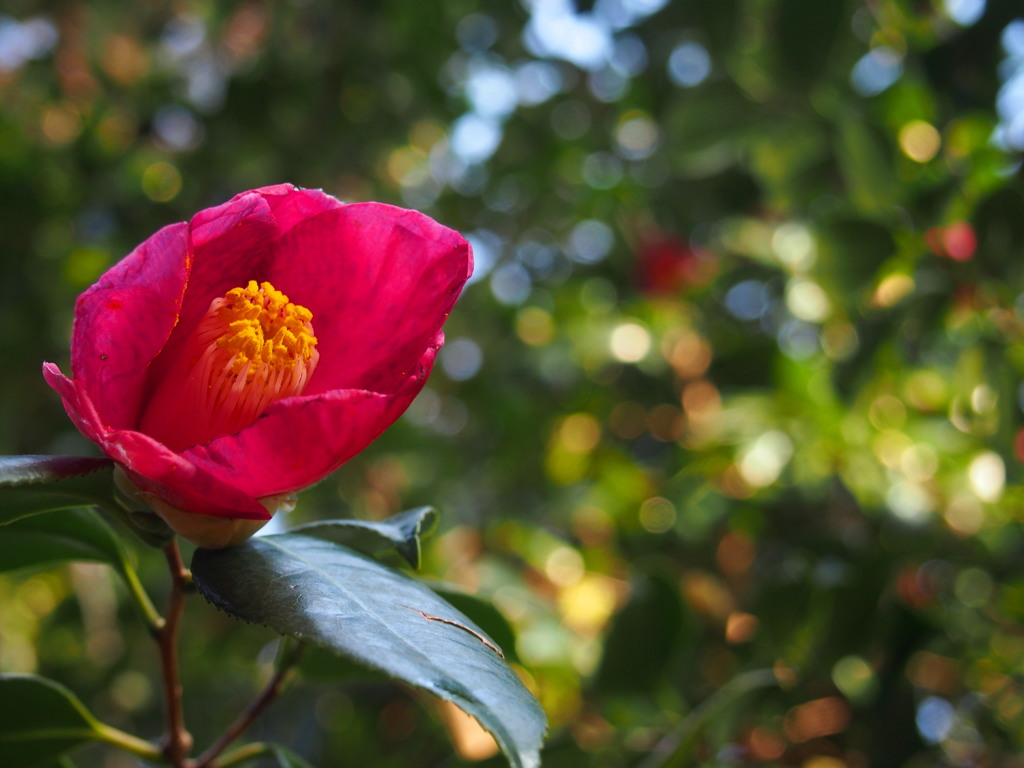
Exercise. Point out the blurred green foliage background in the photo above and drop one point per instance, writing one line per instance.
(735, 387)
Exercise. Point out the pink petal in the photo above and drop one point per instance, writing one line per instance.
(380, 282)
(180, 482)
(152, 466)
(291, 205)
(80, 409)
(212, 223)
(230, 244)
(123, 320)
(299, 441)
(234, 243)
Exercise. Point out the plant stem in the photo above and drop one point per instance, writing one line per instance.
(240, 755)
(177, 741)
(676, 749)
(287, 658)
(127, 742)
(153, 619)
(114, 515)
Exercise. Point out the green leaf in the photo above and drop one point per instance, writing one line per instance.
(40, 720)
(72, 534)
(324, 593)
(33, 484)
(401, 533)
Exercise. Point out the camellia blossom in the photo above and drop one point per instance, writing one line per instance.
(665, 265)
(232, 360)
(956, 241)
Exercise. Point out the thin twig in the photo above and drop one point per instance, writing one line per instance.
(247, 752)
(288, 658)
(675, 750)
(178, 741)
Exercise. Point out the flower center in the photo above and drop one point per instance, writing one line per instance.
(252, 348)
(256, 347)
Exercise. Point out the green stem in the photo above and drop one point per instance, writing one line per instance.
(240, 755)
(152, 617)
(113, 515)
(128, 743)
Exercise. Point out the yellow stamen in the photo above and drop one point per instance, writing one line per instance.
(252, 348)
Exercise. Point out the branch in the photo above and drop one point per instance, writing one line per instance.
(289, 657)
(177, 741)
(242, 754)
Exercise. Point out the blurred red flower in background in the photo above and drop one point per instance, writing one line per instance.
(955, 241)
(665, 265)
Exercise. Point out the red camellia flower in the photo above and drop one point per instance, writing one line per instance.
(665, 265)
(956, 241)
(232, 360)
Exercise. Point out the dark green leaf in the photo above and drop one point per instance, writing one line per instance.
(39, 721)
(33, 484)
(72, 534)
(321, 592)
(401, 533)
